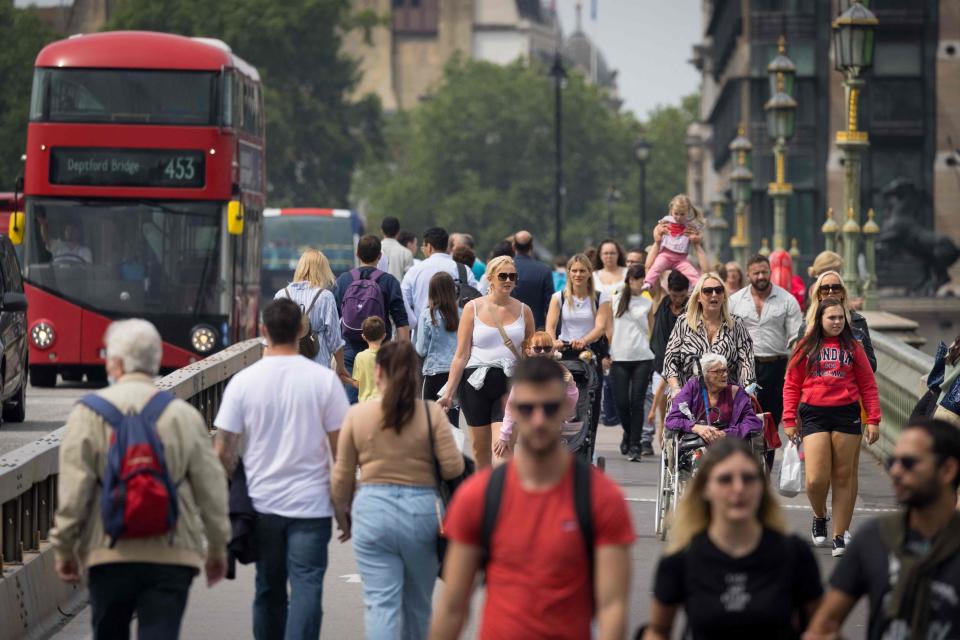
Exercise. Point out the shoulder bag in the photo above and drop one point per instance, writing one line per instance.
(445, 488)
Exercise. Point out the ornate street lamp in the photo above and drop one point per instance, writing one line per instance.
(741, 185)
(781, 111)
(853, 36)
(641, 151)
(717, 226)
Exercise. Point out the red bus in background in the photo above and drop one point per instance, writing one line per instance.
(141, 149)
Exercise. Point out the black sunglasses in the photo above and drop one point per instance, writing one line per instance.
(907, 462)
(526, 409)
(831, 288)
(712, 290)
(542, 349)
(748, 479)
(503, 277)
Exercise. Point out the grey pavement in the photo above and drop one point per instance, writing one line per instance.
(225, 610)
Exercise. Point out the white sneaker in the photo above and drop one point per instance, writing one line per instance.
(818, 532)
(838, 547)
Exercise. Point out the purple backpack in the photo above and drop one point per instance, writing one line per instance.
(361, 300)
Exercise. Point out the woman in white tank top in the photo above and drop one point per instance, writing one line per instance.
(493, 330)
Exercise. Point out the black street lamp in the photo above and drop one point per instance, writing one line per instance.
(559, 75)
(641, 151)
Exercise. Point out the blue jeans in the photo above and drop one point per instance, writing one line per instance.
(395, 541)
(609, 411)
(294, 548)
(350, 352)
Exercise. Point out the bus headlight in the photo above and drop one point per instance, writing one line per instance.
(42, 335)
(203, 339)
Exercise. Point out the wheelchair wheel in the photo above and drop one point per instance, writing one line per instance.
(664, 497)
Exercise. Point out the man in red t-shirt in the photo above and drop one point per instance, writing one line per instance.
(538, 572)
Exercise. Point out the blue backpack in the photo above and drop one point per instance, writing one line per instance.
(139, 498)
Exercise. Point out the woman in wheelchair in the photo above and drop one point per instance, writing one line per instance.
(713, 409)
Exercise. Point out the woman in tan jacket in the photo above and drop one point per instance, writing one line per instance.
(395, 512)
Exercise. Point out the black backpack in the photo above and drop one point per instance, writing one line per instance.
(581, 503)
(310, 343)
(465, 293)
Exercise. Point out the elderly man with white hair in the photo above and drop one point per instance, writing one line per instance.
(715, 408)
(134, 572)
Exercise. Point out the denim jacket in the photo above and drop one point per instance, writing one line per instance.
(435, 344)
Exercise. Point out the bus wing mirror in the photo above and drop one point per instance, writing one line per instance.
(13, 301)
(15, 230)
(235, 218)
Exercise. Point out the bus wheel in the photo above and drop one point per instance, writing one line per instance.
(43, 375)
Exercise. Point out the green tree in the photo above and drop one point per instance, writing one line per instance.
(23, 35)
(478, 156)
(316, 135)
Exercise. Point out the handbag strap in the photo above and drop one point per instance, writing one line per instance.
(503, 333)
(437, 477)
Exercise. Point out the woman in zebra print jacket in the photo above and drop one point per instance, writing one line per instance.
(708, 327)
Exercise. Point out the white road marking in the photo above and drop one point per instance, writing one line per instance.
(351, 577)
(796, 507)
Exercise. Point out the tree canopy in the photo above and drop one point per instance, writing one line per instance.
(23, 35)
(478, 155)
(316, 136)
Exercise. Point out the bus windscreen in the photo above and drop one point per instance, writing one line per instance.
(125, 96)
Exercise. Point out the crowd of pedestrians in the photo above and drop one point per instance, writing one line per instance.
(364, 433)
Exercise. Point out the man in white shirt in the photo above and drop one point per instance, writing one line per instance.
(396, 258)
(772, 317)
(287, 409)
(416, 284)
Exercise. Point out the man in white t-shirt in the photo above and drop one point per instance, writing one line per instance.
(287, 410)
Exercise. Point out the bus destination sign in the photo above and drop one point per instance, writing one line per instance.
(170, 168)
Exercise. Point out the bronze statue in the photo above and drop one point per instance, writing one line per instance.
(902, 232)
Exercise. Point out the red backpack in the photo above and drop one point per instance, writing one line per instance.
(139, 498)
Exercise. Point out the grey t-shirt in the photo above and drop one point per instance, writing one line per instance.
(868, 568)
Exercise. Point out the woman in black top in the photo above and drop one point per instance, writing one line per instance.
(730, 564)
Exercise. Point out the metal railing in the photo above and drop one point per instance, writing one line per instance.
(28, 484)
(901, 373)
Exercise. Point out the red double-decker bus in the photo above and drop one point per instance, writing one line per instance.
(144, 187)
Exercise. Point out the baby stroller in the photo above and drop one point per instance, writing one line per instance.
(580, 432)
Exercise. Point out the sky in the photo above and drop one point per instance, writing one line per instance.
(648, 42)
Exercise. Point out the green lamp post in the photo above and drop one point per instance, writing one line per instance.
(717, 226)
(853, 36)
(741, 184)
(781, 111)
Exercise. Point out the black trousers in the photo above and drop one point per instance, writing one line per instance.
(770, 376)
(630, 381)
(431, 385)
(157, 593)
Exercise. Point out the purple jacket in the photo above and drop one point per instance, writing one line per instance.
(743, 420)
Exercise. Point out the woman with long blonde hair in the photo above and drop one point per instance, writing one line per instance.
(829, 284)
(311, 289)
(708, 327)
(730, 563)
(492, 331)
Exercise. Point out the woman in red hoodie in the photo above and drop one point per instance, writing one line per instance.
(829, 375)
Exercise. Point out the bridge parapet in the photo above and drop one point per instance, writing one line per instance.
(32, 598)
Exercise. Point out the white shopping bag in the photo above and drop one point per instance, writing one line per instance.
(791, 471)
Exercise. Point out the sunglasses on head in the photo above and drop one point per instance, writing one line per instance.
(503, 277)
(710, 291)
(526, 409)
(748, 479)
(831, 288)
(541, 349)
(907, 462)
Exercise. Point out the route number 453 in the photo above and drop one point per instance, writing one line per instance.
(180, 169)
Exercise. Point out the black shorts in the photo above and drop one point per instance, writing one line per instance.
(485, 405)
(842, 419)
